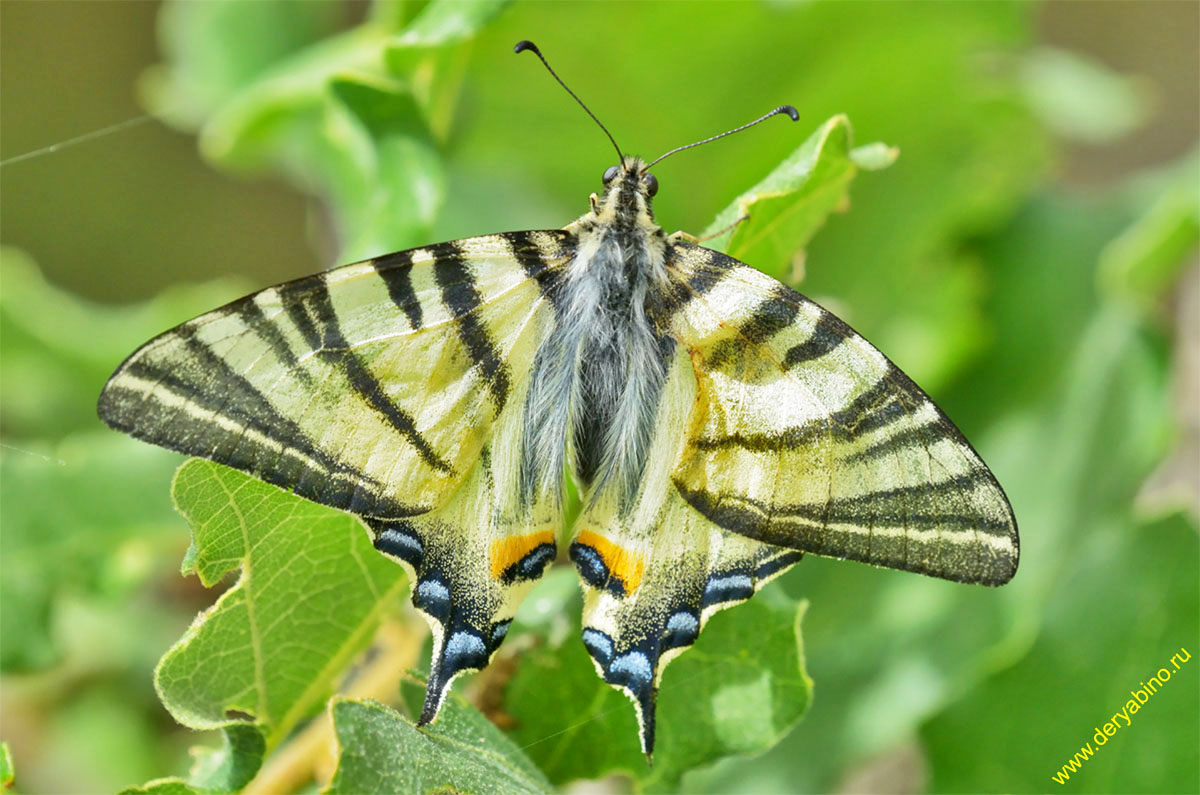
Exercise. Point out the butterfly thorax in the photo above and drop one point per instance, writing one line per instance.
(597, 378)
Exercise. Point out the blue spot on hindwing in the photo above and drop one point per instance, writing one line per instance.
(682, 629)
(463, 650)
(433, 597)
(633, 670)
(591, 566)
(728, 588)
(599, 645)
(401, 541)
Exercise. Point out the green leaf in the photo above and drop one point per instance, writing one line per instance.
(738, 691)
(379, 750)
(216, 48)
(786, 208)
(234, 764)
(1080, 98)
(310, 593)
(1149, 255)
(7, 771)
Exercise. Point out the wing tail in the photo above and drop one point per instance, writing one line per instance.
(469, 569)
(649, 592)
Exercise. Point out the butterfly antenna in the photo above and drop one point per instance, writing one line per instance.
(522, 46)
(788, 109)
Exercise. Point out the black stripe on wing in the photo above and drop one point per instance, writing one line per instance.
(255, 319)
(694, 271)
(877, 407)
(204, 381)
(541, 255)
(771, 316)
(810, 527)
(395, 271)
(311, 309)
(453, 276)
(828, 333)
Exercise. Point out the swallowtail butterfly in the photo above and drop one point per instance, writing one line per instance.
(717, 423)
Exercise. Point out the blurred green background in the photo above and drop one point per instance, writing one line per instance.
(1030, 259)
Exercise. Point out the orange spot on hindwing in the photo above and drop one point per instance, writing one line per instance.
(622, 564)
(509, 553)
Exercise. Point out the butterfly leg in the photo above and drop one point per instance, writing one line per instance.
(680, 235)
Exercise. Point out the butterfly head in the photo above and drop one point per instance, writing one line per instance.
(628, 191)
(631, 175)
(629, 186)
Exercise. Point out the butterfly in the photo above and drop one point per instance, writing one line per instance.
(718, 425)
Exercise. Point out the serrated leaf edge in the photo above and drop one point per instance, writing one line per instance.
(304, 702)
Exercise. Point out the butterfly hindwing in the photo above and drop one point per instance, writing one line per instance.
(655, 572)
(805, 436)
(391, 388)
(472, 561)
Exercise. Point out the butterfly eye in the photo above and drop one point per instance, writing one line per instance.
(651, 185)
(611, 174)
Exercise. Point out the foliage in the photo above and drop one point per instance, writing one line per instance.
(310, 594)
(1033, 314)
(739, 691)
(381, 751)
(6, 766)
(774, 219)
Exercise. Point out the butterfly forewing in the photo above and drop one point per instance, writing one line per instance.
(805, 436)
(369, 388)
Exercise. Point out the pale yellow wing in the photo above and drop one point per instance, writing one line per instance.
(370, 388)
(805, 436)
